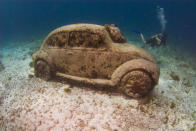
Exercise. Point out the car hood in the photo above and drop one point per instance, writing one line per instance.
(132, 50)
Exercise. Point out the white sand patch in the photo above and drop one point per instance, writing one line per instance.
(33, 104)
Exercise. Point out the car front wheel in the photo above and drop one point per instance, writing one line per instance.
(42, 70)
(136, 83)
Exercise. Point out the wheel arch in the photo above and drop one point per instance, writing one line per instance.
(46, 60)
(42, 55)
(137, 64)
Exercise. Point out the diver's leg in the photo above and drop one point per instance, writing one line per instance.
(143, 39)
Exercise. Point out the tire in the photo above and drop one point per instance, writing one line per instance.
(42, 70)
(136, 83)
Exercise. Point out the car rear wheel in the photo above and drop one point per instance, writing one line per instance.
(42, 70)
(136, 83)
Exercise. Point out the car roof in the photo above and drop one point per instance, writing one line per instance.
(78, 27)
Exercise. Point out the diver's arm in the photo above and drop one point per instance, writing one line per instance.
(143, 39)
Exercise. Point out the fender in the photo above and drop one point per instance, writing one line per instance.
(137, 64)
(44, 57)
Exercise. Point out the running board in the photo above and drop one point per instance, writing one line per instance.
(99, 82)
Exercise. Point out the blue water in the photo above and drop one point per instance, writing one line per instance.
(26, 20)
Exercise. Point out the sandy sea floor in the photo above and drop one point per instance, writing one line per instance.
(29, 103)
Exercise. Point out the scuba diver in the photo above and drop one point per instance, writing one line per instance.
(155, 40)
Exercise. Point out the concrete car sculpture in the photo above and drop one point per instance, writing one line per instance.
(97, 55)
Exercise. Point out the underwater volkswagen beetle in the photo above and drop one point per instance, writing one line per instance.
(97, 55)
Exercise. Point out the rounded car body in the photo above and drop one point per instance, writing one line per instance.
(99, 55)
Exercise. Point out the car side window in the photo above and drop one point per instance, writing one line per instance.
(58, 39)
(85, 39)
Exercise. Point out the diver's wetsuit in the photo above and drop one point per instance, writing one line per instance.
(156, 40)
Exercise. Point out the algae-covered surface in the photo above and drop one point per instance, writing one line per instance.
(29, 103)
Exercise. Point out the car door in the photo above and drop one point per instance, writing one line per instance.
(88, 55)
